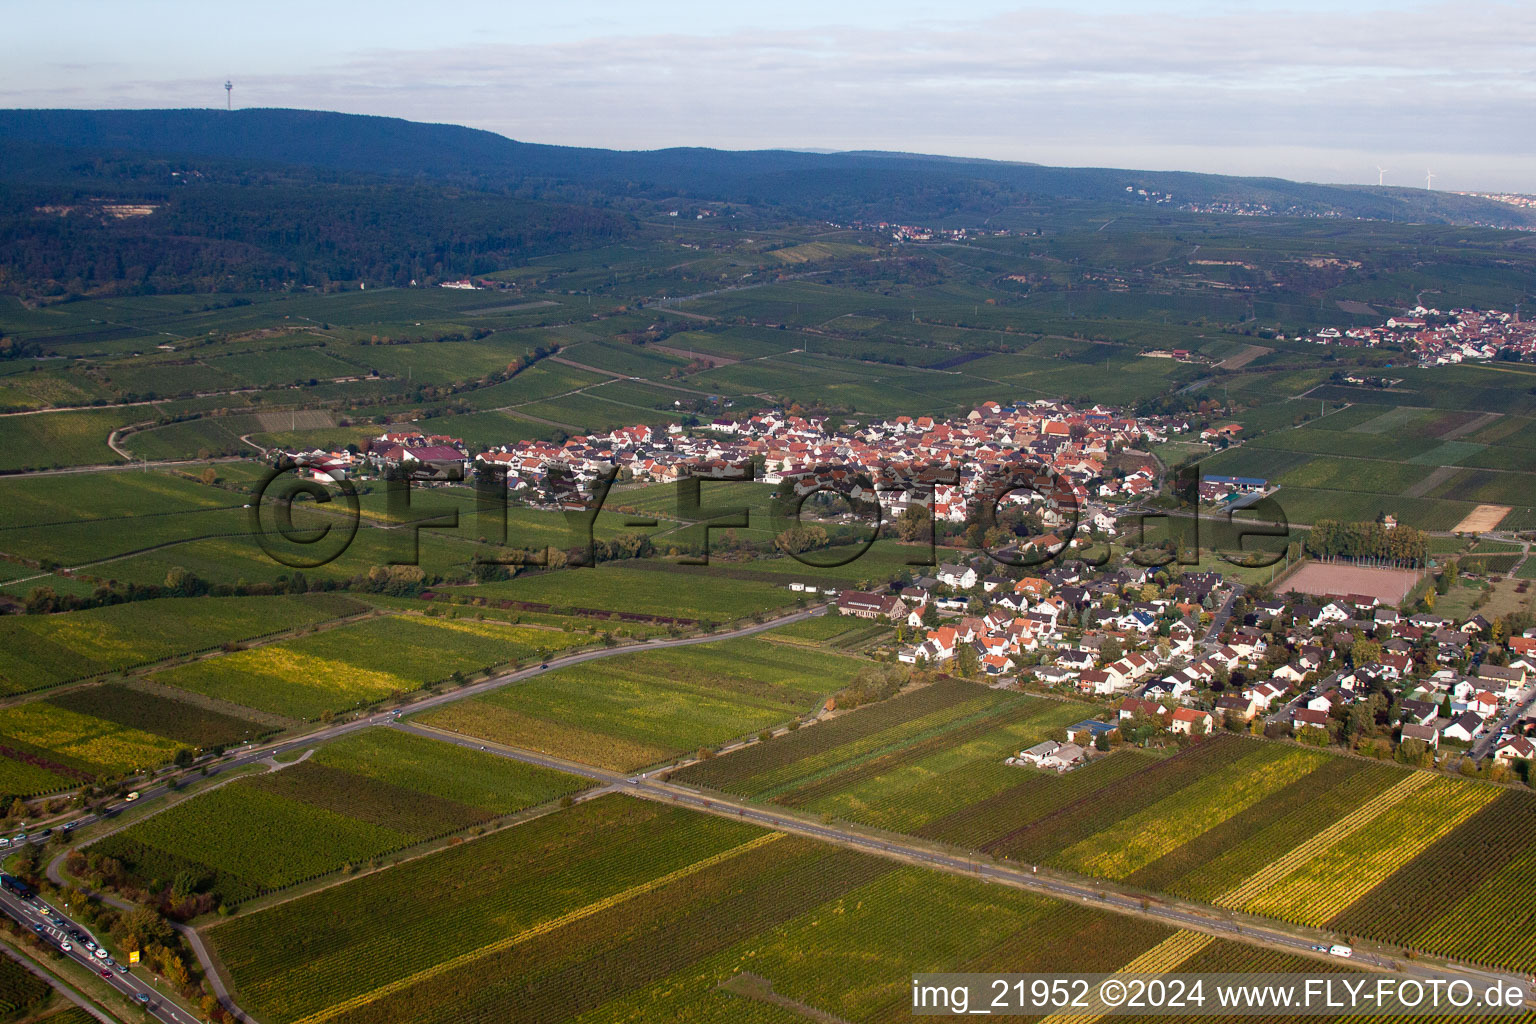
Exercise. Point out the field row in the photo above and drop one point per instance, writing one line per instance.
(635, 710)
(350, 802)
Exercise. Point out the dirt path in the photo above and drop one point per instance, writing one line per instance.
(583, 366)
(760, 989)
(1241, 359)
(703, 357)
(1438, 476)
(1466, 428)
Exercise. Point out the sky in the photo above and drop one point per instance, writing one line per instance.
(1298, 89)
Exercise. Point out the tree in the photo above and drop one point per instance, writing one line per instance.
(209, 476)
(965, 661)
(1365, 652)
(1110, 650)
(914, 523)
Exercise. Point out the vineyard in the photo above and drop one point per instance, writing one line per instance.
(1020, 799)
(1227, 855)
(38, 651)
(444, 770)
(1041, 840)
(20, 989)
(1140, 838)
(353, 801)
(910, 782)
(79, 742)
(799, 755)
(656, 908)
(635, 710)
(1482, 869)
(26, 774)
(181, 721)
(301, 957)
(100, 731)
(357, 664)
(1338, 873)
(70, 1014)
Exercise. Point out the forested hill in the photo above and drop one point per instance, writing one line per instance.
(117, 201)
(887, 185)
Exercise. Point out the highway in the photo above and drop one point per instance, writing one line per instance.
(243, 757)
(1196, 917)
(135, 989)
(257, 754)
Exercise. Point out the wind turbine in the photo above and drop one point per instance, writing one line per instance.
(1381, 175)
(1429, 179)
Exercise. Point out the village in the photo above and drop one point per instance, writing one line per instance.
(1438, 338)
(1170, 653)
(1187, 655)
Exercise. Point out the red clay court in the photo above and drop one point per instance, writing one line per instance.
(1339, 579)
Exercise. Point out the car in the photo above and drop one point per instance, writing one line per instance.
(90, 945)
(121, 968)
(142, 997)
(4, 842)
(131, 797)
(108, 961)
(99, 953)
(19, 837)
(65, 946)
(106, 973)
(45, 833)
(38, 928)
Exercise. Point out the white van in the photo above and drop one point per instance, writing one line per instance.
(1338, 949)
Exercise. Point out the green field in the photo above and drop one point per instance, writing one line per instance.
(42, 651)
(634, 710)
(663, 914)
(631, 875)
(696, 596)
(21, 991)
(351, 801)
(359, 664)
(49, 440)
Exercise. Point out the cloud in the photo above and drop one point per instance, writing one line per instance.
(1302, 93)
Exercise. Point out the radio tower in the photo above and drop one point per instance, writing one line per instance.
(228, 88)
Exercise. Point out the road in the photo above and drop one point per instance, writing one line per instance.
(1229, 925)
(1219, 619)
(1255, 931)
(1485, 742)
(30, 914)
(253, 755)
(114, 467)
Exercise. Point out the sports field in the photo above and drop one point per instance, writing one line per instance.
(1324, 579)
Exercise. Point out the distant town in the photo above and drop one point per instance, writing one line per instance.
(1438, 338)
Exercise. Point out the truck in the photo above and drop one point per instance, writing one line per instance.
(1339, 949)
(13, 884)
